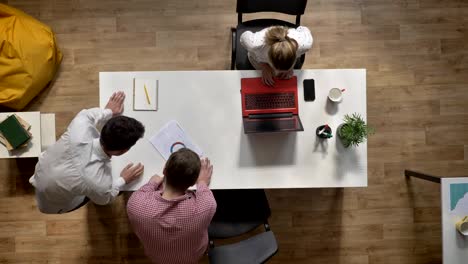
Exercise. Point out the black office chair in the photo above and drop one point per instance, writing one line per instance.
(239, 212)
(239, 59)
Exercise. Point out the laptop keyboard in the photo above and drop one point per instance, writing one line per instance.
(269, 101)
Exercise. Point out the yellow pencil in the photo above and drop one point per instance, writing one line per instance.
(147, 96)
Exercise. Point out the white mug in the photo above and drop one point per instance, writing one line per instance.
(462, 226)
(335, 95)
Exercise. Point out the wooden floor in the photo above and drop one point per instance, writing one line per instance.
(416, 56)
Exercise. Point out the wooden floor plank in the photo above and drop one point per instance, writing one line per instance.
(82, 25)
(107, 40)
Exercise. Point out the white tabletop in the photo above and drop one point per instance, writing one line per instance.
(47, 130)
(207, 104)
(455, 245)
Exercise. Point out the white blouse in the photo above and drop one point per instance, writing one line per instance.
(257, 50)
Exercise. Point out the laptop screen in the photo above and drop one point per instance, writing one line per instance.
(263, 125)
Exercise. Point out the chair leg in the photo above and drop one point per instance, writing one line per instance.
(298, 20)
(300, 62)
(423, 176)
(233, 45)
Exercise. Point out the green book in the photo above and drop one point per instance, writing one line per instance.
(14, 133)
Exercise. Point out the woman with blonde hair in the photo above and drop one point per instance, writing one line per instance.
(274, 50)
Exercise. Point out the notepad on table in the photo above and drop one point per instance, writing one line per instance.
(145, 94)
(12, 130)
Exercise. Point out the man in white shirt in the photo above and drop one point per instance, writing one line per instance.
(77, 167)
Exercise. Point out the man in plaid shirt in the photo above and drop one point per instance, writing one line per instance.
(171, 221)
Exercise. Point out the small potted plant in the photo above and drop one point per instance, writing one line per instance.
(354, 130)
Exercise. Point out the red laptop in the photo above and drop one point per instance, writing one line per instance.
(270, 109)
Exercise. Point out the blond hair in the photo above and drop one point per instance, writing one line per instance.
(283, 49)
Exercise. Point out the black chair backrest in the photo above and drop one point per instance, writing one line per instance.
(244, 205)
(238, 212)
(290, 7)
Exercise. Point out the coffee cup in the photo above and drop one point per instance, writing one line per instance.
(335, 95)
(462, 226)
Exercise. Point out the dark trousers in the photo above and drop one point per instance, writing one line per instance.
(85, 201)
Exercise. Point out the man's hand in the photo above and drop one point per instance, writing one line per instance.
(115, 103)
(267, 74)
(132, 172)
(206, 171)
(156, 179)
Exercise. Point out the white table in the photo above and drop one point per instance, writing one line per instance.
(47, 130)
(43, 135)
(455, 245)
(207, 104)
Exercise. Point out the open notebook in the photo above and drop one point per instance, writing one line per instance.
(145, 94)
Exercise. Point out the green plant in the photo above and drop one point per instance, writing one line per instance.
(354, 130)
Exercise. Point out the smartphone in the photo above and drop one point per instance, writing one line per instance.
(309, 90)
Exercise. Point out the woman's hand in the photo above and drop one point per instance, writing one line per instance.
(268, 74)
(286, 75)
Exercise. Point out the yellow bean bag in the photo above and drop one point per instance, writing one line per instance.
(29, 57)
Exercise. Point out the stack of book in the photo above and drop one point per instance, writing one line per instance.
(14, 132)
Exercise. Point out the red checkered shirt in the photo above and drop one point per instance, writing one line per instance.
(172, 231)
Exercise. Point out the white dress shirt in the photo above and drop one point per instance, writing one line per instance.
(76, 167)
(257, 50)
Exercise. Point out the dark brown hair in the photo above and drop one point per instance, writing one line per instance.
(283, 49)
(182, 169)
(121, 133)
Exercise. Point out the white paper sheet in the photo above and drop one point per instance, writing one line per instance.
(145, 94)
(170, 138)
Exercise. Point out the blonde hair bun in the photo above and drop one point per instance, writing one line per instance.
(283, 49)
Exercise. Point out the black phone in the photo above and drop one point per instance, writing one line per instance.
(309, 90)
